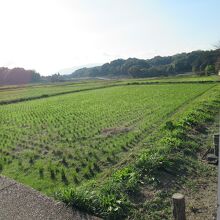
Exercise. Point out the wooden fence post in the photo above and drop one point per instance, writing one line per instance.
(179, 206)
(216, 144)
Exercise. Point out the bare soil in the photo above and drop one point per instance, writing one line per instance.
(201, 201)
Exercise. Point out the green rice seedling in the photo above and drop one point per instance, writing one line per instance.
(52, 173)
(63, 177)
(1, 167)
(41, 172)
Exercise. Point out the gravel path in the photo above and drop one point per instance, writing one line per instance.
(19, 202)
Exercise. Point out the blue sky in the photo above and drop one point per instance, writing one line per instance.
(49, 35)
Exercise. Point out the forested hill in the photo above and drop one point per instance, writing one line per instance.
(18, 76)
(200, 62)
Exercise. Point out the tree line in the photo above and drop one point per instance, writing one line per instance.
(18, 76)
(198, 62)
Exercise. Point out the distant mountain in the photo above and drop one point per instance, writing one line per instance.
(70, 70)
(17, 76)
(199, 62)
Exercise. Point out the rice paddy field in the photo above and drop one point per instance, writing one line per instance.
(10, 94)
(69, 140)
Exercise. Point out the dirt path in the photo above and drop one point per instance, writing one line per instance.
(201, 199)
(18, 202)
(201, 193)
